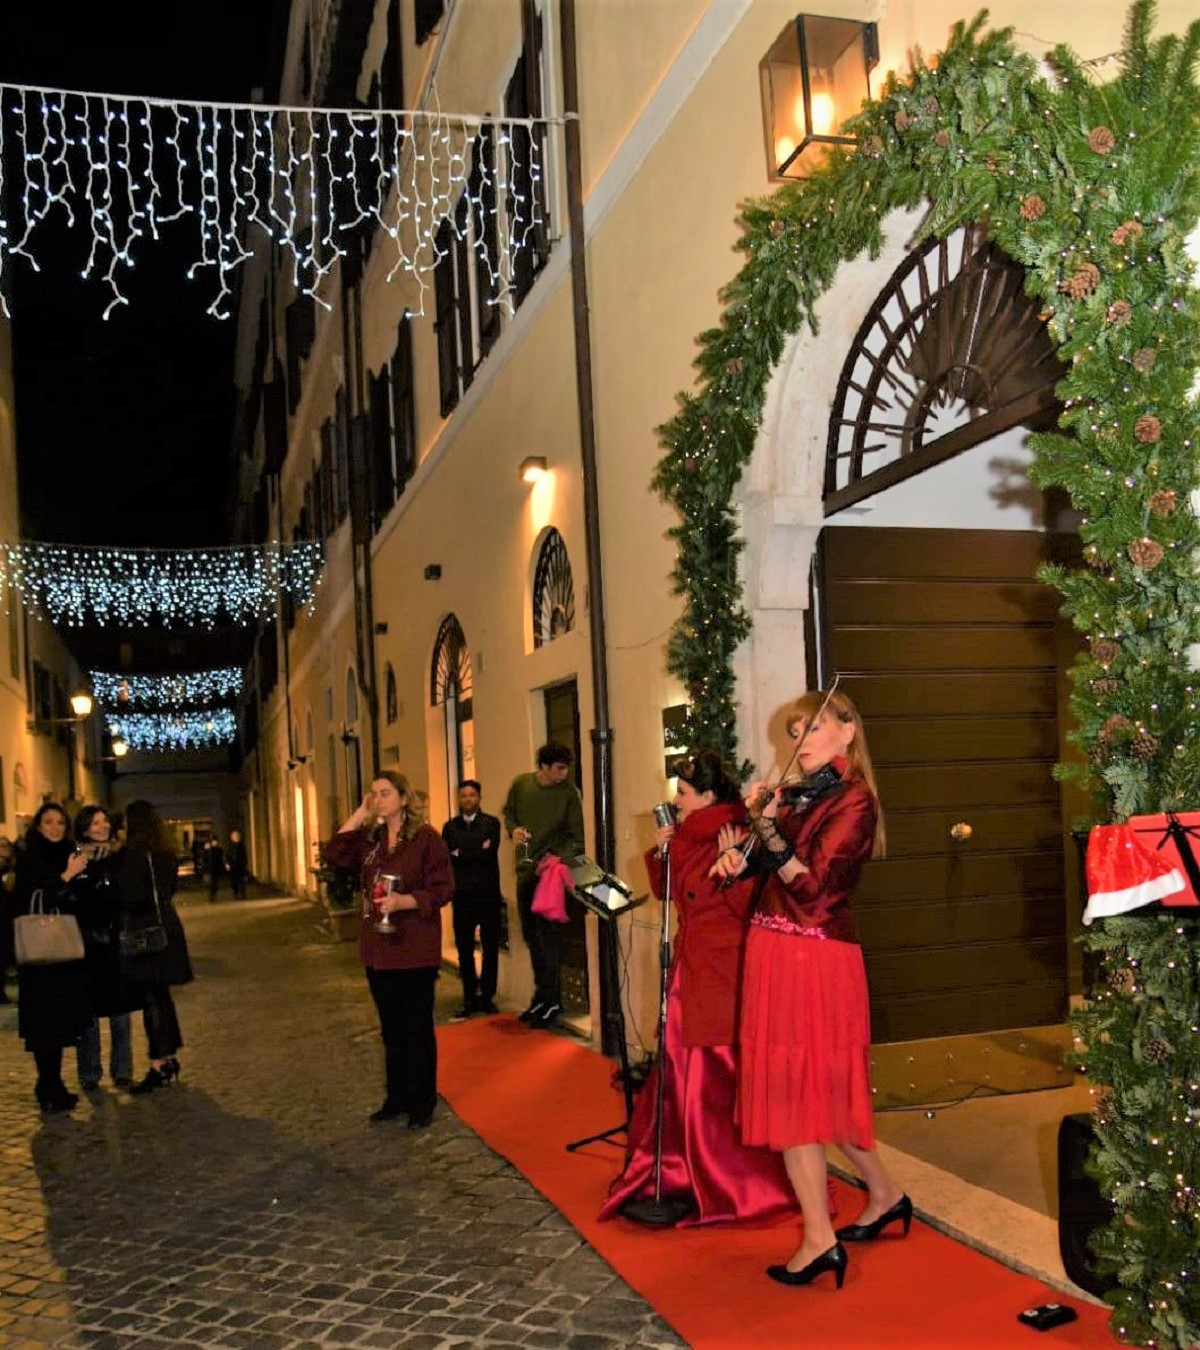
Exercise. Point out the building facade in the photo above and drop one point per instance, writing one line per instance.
(450, 634)
(42, 757)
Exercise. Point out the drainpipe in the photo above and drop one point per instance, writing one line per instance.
(602, 733)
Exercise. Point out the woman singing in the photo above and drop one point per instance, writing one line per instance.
(704, 1161)
(406, 875)
(805, 1023)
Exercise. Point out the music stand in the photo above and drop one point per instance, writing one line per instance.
(608, 897)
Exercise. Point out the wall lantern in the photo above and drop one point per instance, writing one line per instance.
(533, 468)
(816, 75)
(119, 748)
(81, 704)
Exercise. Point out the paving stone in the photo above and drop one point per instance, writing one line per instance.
(252, 1206)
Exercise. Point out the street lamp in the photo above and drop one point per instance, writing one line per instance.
(81, 704)
(816, 75)
(119, 748)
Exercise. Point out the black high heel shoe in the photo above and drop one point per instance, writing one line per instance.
(154, 1079)
(901, 1211)
(55, 1098)
(171, 1069)
(834, 1259)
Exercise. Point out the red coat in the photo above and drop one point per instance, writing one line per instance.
(833, 838)
(424, 864)
(712, 926)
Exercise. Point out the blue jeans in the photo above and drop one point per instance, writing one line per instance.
(120, 1060)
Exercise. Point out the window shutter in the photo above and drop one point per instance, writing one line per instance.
(404, 406)
(462, 291)
(426, 14)
(444, 318)
(341, 449)
(487, 239)
(383, 470)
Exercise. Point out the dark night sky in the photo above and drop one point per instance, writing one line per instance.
(124, 425)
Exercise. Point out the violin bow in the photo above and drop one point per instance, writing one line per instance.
(747, 846)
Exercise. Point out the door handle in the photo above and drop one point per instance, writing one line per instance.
(961, 832)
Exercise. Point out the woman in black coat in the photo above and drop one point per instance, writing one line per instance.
(54, 1008)
(94, 893)
(145, 878)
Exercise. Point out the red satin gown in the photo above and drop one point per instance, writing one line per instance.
(704, 1159)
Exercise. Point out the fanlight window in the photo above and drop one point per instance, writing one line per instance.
(553, 591)
(952, 354)
(450, 677)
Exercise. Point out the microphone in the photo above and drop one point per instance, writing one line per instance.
(664, 814)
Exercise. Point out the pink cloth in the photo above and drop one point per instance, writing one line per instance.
(550, 897)
(704, 1160)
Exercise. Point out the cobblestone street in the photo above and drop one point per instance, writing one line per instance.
(253, 1205)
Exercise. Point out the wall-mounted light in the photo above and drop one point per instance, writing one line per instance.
(533, 468)
(119, 748)
(815, 76)
(433, 572)
(81, 704)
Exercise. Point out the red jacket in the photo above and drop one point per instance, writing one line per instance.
(833, 838)
(712, 926)
(423, 863)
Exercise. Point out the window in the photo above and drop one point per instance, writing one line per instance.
(524, 98)
(553, 591)
(451, 689)
(351, 699)
(391, 69)
(444, 324)
(393, 425)
(426, 14)
(43, 698)
(14, 634)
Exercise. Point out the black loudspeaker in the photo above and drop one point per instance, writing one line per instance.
(1081, 1207)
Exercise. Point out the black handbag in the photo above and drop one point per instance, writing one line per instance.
(150, 940)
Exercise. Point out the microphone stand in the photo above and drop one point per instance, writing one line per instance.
(660, 1211)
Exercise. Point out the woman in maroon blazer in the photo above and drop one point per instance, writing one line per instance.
(704, 1161)
(402, 965)
(805, 1022)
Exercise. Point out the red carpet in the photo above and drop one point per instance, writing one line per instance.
(528, 1093)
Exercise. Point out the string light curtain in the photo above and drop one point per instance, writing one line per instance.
(119, 168)
(184, 689)
(174, 731)
(76, 584)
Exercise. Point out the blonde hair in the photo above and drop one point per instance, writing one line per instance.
(842, 707)
(413, 819)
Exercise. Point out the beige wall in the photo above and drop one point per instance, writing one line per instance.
(672, 143)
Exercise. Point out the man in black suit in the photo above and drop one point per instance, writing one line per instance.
(473, 838)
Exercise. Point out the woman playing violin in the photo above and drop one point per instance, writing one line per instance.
(805, 1024)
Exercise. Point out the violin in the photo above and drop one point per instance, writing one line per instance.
(801, 795)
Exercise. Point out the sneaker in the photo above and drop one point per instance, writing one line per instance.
(534, 1012)
(550, 1015)
(487, 1006)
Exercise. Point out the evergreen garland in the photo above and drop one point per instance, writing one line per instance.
(1094, 189)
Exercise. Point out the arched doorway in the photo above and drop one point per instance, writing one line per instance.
(918, 554)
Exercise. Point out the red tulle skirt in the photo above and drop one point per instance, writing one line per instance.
(704, 1159)
(804, 1070)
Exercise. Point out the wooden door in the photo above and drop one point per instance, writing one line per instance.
(562, 725)
(951, 649)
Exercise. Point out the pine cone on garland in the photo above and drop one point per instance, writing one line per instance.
(1081, 283)
(776, 228)
(930, 106)
(1143, 746)
(1156, 1050)
(1104, 686)
(1102, 1105)
(1186, 1203)
(1101, 140)
(1121, 980)
(942, 138)
(1144, 359)
(872, 147)
(1120, 311)
(1145, 553)
(1147, 429)
(1032, 207)
(1104, 651)
(1163, 503)
(902, 121)
(1129, 229)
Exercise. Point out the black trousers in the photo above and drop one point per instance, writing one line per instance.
(163, 1037)
(485, 915)
(404, 1000)
(544, 940)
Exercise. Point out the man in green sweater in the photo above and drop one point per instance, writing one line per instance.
(543, 814)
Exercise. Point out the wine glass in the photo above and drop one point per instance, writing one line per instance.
(391, 884)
